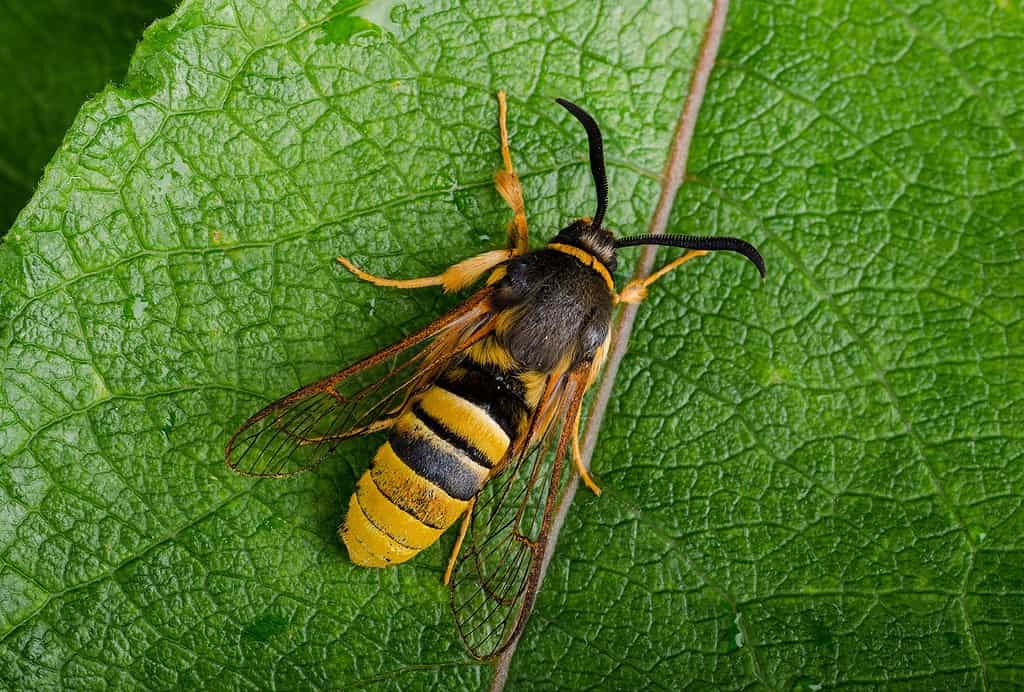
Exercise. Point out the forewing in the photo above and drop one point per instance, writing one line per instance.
(297, 432)
(495, 581)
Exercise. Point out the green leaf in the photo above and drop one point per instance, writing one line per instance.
(54, 54)
(811, 482)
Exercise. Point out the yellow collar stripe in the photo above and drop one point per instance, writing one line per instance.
(587, 259)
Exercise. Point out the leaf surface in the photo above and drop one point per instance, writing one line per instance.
(811, 482)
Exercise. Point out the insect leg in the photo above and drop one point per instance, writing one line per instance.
(577, 457)
(509, 188)
(454, 278)
(636, 290)
(466, 518)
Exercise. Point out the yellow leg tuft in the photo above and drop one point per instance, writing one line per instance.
(636, 290)
(507, 182)
(392, 283)
(454, 278)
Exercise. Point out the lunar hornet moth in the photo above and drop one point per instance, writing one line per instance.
(481, 407)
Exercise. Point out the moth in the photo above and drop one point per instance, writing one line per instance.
(481, 406)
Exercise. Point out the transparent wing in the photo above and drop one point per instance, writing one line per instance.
(495, 581)
(297, 432)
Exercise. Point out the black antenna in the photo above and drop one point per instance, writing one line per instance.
(695, 242)
(596, 157)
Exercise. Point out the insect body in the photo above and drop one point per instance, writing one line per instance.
(481, 406)
(440, 453)
(554, 315)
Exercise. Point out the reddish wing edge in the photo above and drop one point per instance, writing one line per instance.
(299, 431)
(495, 581)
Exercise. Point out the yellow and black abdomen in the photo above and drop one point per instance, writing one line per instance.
(439, 455)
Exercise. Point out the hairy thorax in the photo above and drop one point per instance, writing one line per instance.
(556, 311)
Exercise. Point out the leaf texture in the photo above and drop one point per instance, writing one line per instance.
(810, 483)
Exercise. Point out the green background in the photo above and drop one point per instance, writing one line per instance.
(810, 483)
(54, 54)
